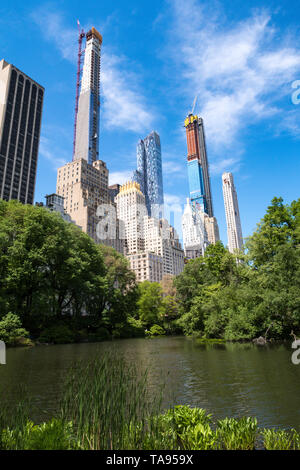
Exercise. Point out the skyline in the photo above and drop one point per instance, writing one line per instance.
(141, 92)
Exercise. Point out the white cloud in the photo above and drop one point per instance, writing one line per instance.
(226, 164)
(240, 74)
(49, 151)
(172, 199)
(124, 105)
(120, 177)
(172, 168)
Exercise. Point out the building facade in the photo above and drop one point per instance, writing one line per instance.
(88, 117)
(84, 187)
(199, 226)
(147, 266)
(149, 241)
(149, 173)
(193, 232)
(21, 104)
(198, 169)
(234, 228)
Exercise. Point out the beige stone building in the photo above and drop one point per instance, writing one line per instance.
(85, 189)
(152, 245)
(212, 229)
(147, 266)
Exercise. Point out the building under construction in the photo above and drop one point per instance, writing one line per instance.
(87, 113)
(200, 191)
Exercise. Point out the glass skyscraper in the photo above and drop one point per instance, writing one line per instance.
(149, 173)
(198, 171)
(21, 103)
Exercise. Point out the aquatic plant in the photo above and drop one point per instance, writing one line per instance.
(237, 434)
(281, 440)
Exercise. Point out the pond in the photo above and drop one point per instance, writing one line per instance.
(227, 379)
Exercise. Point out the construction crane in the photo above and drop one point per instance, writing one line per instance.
(81, 36)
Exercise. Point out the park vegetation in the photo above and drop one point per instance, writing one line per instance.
(58, 286)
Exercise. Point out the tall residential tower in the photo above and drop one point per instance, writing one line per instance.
(199, 225)
(149, 173)
(198, 170)
(234, 229)
(87, 126)
(21, 103)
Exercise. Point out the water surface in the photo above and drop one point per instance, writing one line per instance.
(228, 380)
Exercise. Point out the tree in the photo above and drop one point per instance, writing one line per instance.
(122, 291)
(150, 303)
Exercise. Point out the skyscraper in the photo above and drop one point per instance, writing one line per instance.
(149, 173)
(21, 103)
(198, 170)
(234, 229)
(193, 232)
(199, 225)
(87, 134)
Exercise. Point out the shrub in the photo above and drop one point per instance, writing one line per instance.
(156, 330)
(53, 435)
(281, 440)
(57, 334)
(237, 434)
(11, 330)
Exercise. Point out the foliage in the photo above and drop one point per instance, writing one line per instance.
(150, 303)
(57, 334)
(237, 434)
(53, 435)
(108, 404)
(281, 440)
(155, 330)
(11, 331)
(50, 270)
(238, 297)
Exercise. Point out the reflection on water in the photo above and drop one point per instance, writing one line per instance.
(226, 379)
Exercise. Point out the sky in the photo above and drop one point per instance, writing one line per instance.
(240, 58)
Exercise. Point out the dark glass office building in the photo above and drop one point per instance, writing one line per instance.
(21, 103)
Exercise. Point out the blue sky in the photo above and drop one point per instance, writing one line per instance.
(239, 57)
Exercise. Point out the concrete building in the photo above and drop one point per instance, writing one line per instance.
(234, 229)
(149, 173)
(88, 118)
(21, 104)
(145, 235)
(211, 229)
(193, 232)
(147, 266)
(55, 203)
(131, 209)
(162, 239)
(84, 187)
(113, 191)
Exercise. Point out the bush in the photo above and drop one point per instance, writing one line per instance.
(156, 330)
(237, 434)
(281, 440)
(57, 334)
(11, 330)
(53, 435)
